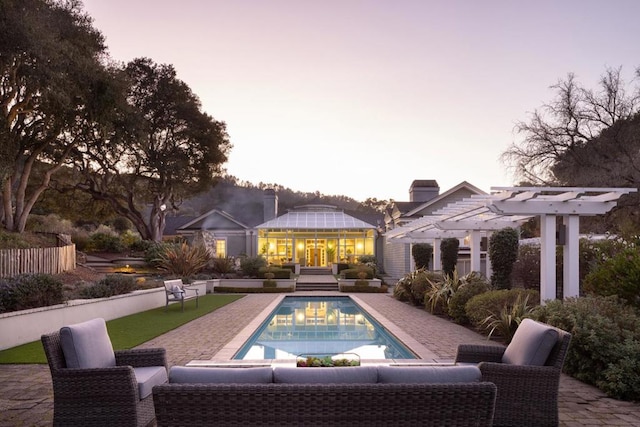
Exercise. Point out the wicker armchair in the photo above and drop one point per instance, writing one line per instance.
(527, 394)
(108, 396)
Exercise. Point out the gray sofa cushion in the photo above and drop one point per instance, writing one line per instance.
(149, 376)
(531, 344)
(428, 374)
(339, 375)
(195, 375)
(87, 345)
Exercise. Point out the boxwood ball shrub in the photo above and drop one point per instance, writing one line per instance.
(605, 342)
(456, 309)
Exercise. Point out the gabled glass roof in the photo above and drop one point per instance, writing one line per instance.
(315, 220)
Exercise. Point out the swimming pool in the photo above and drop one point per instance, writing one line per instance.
(321, 326)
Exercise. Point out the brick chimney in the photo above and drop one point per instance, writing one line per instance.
(423, 190)
(270, 200)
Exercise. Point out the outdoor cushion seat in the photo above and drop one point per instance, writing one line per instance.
(197, 375)
(329, 375)
(428, 374)
(93, 385)
(526, 373)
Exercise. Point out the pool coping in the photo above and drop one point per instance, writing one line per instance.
(224, 357)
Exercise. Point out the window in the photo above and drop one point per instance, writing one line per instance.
(221, 248)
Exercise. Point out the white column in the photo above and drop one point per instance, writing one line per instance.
(571, 254)
(488, 272)
(547, 258)
(412, 262)
(475, 250)
(437, 263)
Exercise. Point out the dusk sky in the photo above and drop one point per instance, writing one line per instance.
(359, 97)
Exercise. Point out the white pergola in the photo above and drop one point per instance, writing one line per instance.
(480, 215)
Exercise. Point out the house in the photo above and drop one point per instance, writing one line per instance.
(425, 198)
(311, 235)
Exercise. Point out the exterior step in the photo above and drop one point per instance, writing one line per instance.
(315, 271)
(317, 287)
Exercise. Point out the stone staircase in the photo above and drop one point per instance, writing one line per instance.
(316, 279)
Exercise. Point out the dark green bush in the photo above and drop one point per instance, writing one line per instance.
(526, 270)
(278, 273)
(250, 266)
(153, 253)
(112, 284)
(364, 289)
(30, 291)
(449, 255)
(619, 275)
(503, 252)
(352, 273)
(224, 265)
(422, 254)
(456, 309)
(491, 303)
(342, 266)
(104, 242)
(605, 342)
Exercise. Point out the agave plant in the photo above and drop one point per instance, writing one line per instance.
(507, 321)
(184, 260)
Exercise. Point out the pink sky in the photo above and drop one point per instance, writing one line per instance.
(360, 97)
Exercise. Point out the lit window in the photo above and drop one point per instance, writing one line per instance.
(221, 248)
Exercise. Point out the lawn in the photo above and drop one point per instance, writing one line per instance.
(130, 331)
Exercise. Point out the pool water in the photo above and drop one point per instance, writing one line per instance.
(321, 326)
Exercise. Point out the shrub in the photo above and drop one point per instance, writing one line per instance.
(275, 272)
(449, 255)
(112, 284)
(250, 266)
(456, 309)
(370, 261)
(503, 252)
(441, 291)
(413, 286)
(619, 275)
(184, 260)
(507, 321)
(104, 242)
(154, 250)
(353, 273)
(224, 266)
(422, 254)
(30, 291)
(493, 302)
(605, 342)
(526, 270)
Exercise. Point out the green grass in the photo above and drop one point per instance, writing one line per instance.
(130, 331)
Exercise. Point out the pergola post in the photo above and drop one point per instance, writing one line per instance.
(571, 256)
(437, 262)
(547, 257)
(488, 270)
(475, 250)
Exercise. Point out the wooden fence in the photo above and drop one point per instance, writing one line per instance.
(37, 260)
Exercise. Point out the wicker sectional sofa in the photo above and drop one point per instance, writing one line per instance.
(353, 396)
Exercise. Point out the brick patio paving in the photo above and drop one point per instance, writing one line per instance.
(26, 396)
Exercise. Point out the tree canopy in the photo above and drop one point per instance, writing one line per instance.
(50, 81)
(160, 149)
